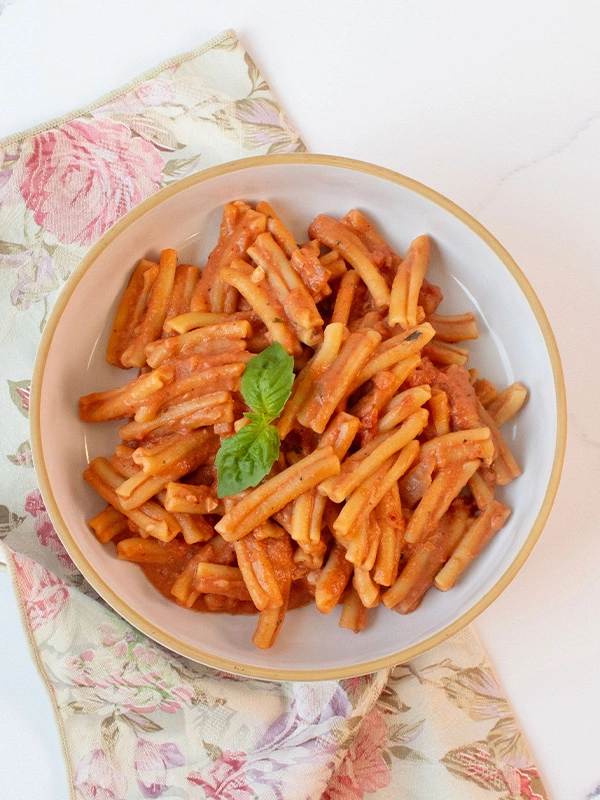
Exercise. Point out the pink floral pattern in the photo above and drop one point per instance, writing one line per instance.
(155, 93)
(127, 673)
(20, 392)
(97, 778)
(140, 721)
(95, 169)
(226, 779)
(152, 762)
(520, 783)
(44, 529)
(45, 594)
(363, 768)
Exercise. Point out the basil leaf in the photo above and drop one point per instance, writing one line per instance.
(267, 381)
(244, 459)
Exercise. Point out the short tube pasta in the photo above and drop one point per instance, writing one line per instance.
(383, 454)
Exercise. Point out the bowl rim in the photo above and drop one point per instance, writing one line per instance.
(192, 652)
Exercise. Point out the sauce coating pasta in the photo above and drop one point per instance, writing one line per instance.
(378, 470)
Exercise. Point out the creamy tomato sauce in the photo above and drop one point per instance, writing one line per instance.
(163, 576)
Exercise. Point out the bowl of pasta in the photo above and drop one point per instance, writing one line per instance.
(298, 417)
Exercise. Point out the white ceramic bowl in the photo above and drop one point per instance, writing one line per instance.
(475, 274)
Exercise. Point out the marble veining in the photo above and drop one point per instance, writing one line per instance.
(528, 163)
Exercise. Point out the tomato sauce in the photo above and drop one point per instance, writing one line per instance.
(163, 576)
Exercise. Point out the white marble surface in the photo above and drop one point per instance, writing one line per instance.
(496, 105)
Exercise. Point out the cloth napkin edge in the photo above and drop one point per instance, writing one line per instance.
(152, 72)
(6, 554)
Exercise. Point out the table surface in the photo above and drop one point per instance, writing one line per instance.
(496, 106)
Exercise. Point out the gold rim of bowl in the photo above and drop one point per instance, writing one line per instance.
(162, 636)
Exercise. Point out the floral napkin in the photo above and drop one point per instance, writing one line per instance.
(135, 719)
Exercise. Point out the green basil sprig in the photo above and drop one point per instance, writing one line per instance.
(244, 459)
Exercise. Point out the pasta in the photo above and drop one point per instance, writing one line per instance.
(302, 427)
